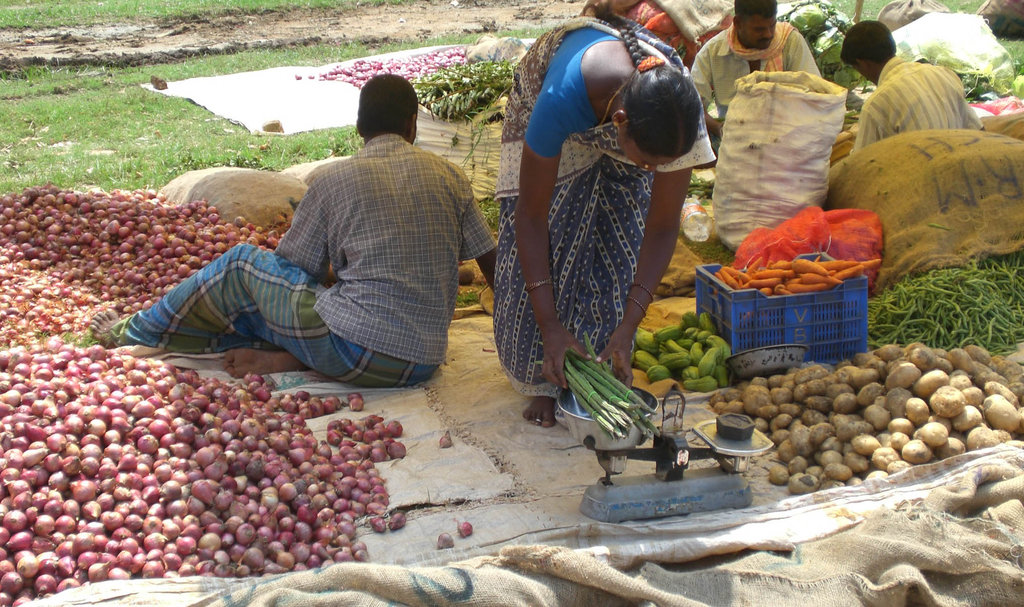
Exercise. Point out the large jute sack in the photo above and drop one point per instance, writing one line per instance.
(776, 145)
(943, 196)
(898, 13)
(1005, 17)
(263, 198)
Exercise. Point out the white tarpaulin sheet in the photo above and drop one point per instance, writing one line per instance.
(292, 95)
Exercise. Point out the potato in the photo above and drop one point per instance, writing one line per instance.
(780, 421)
(801, 439)
(792, 409)
(761, 382)
(856, 377)
(809, 373)
(754, 397)
(888, 352)
(768, 412)
(928, 383)
(901, 424)
(775, 381)
(960, 359)
(953, 446)
(876, 474)
(944, 365)
(761, 424)
(947, 401)
(802, 483)
(821, 431)
(778, 474)
(836, 388)
(730, 394)
(824, 458)
(1010, 369)
(933, 434)
(974, 396)
(981, 437)
(1000, 414)
(897, 466)
(856, 462)
(717, 397)
(863, 359)
(877, 416)
(883, 456)
(961, 381)
(733, 406)
(897, 440)
(786, 451)
(896, 401)
(831, 444)
(779, 436)
(883, 438)
(865, 444)
(979, 354)
(797, 465)
(810, 417)
(903, 375)
(838, 471)
(815, 471)
(819, 403)
(845, 403)
(850, 429)
(923, 358)
(853, 482)
(866, 395)
(781, 395)
(917, 411)
(814, 387)
(994, 387)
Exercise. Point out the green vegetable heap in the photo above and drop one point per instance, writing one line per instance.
(824, 28)
(466, 91)
(690, 352)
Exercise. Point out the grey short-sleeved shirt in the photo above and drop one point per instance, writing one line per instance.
(393, 222)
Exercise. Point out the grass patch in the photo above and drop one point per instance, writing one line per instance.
(37, 14)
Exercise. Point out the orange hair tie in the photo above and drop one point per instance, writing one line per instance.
(650, 63)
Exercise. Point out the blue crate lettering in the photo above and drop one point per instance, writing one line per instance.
(833, 323)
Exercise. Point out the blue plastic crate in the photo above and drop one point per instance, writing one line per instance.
(833, 324)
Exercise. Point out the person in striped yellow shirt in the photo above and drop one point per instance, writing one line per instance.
(910, 96)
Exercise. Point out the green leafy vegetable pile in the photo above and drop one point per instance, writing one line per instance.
(466, 92)
(824, 28)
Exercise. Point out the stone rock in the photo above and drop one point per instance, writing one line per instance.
(264, 198)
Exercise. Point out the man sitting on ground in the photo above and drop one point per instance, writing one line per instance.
(754, 42)
(390, 224)
(910, 96)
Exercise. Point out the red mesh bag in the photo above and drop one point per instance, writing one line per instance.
(854, 234)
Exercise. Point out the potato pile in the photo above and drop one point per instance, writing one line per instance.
(881, 412)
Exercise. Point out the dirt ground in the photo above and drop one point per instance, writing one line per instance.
(147, 43)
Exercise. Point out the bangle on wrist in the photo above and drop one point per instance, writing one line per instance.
(642, 307)
(536, 285)
(643, 288)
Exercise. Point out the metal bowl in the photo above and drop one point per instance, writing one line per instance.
(581, 425)
(768, 360)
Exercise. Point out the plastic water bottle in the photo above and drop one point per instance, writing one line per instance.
(695, 221)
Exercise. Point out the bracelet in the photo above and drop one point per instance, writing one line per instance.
(645, 289)
(538, 284)
(642, 307)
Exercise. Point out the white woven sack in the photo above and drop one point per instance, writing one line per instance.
(776, 145)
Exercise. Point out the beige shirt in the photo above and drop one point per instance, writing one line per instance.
(912, 97)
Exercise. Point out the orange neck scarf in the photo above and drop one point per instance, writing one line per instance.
(771, 57)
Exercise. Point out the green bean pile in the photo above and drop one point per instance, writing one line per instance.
(981, 303)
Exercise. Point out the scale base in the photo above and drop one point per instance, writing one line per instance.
(642, 497)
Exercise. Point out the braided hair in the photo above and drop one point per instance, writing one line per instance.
(663, 106)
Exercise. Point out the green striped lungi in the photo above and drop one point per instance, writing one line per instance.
(253, 298)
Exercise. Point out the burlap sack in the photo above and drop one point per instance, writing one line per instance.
(680, 276)
(1005, 17)
(1011, 125)
(898, 13)
(264, 198)
(943, 197)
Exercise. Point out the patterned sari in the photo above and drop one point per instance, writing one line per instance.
(596, 222)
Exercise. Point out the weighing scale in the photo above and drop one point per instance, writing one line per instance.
(672, 489)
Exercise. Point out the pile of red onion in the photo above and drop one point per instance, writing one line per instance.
(66, 255)
(359, 71)
(114, 467)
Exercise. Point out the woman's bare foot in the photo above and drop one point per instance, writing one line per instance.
(240, 361)
(101, 326)
(541, 411)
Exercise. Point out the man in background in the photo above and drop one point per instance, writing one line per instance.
(754, 42)
(910, 96)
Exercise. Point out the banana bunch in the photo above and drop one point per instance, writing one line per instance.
(690, 352)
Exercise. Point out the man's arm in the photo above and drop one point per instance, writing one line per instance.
(305, 242)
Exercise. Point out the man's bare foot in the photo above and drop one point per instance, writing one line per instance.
(240, 361)
(541, 411)
(101, 326)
